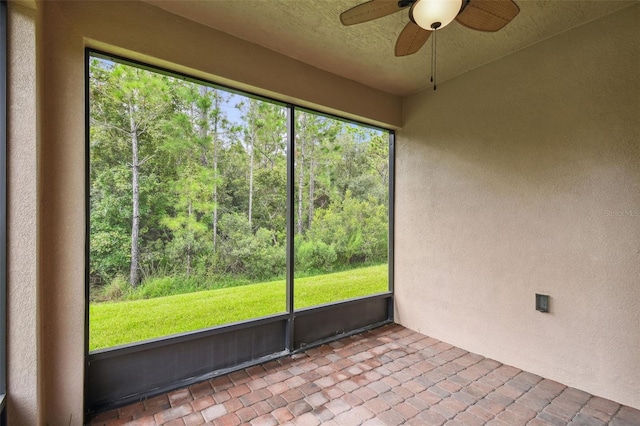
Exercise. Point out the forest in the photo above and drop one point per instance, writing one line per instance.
(188, 187)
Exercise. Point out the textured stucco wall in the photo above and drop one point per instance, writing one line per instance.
(142, 32)
(24, 406)
(523, 176)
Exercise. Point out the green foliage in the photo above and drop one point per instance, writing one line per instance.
(316, 256)
(355, 229)
(257, 256)
(118, 288)
(109, 251)
(163, 285)
(166, 286)
(213, 187)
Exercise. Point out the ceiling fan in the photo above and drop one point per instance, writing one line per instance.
(427, 16)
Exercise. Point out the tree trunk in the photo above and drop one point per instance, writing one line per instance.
(312, 184)
(300, 184)
(251, 159)
(215, 176)
(253, 114)
(189, 244)
(203, 126)
(134, 277)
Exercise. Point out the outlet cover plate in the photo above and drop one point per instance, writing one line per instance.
(542, 302)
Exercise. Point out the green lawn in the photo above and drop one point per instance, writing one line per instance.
(118, 323)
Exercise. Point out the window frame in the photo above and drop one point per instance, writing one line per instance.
(3, 208)
(340, 310)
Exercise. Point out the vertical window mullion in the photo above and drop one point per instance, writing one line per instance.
(291, 136)
(3, 197)
(392, 172)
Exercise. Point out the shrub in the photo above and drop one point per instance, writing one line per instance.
(170, 285)
(356, 229)
(316, 256)
(244, 253)
(116, 289)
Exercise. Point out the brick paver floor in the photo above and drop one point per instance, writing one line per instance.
(388, 376)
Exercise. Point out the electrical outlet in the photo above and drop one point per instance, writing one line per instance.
(542, 302)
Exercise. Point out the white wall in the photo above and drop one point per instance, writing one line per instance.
(523, 176)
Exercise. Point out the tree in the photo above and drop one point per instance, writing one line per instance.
(265, 143)
(301, 144)
(217, 122)
(131, 103)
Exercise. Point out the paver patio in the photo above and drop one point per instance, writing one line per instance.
(388, 376)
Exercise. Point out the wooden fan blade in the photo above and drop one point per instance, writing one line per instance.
(488, 15)
(368, 11)
(411, 39)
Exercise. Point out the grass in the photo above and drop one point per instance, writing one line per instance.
(119, 323)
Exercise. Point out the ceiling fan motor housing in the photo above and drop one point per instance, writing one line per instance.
(405, 3)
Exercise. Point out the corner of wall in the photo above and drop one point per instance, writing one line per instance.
(25, 403)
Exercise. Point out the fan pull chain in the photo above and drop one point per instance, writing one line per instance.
(432, 47)
(433, 58)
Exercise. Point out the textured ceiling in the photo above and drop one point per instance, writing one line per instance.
(310, 31)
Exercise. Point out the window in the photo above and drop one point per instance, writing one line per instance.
(341, 210)
(189, 206)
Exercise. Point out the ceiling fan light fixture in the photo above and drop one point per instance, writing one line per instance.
(434, 14)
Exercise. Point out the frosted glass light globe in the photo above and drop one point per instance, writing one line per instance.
(435, 14)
